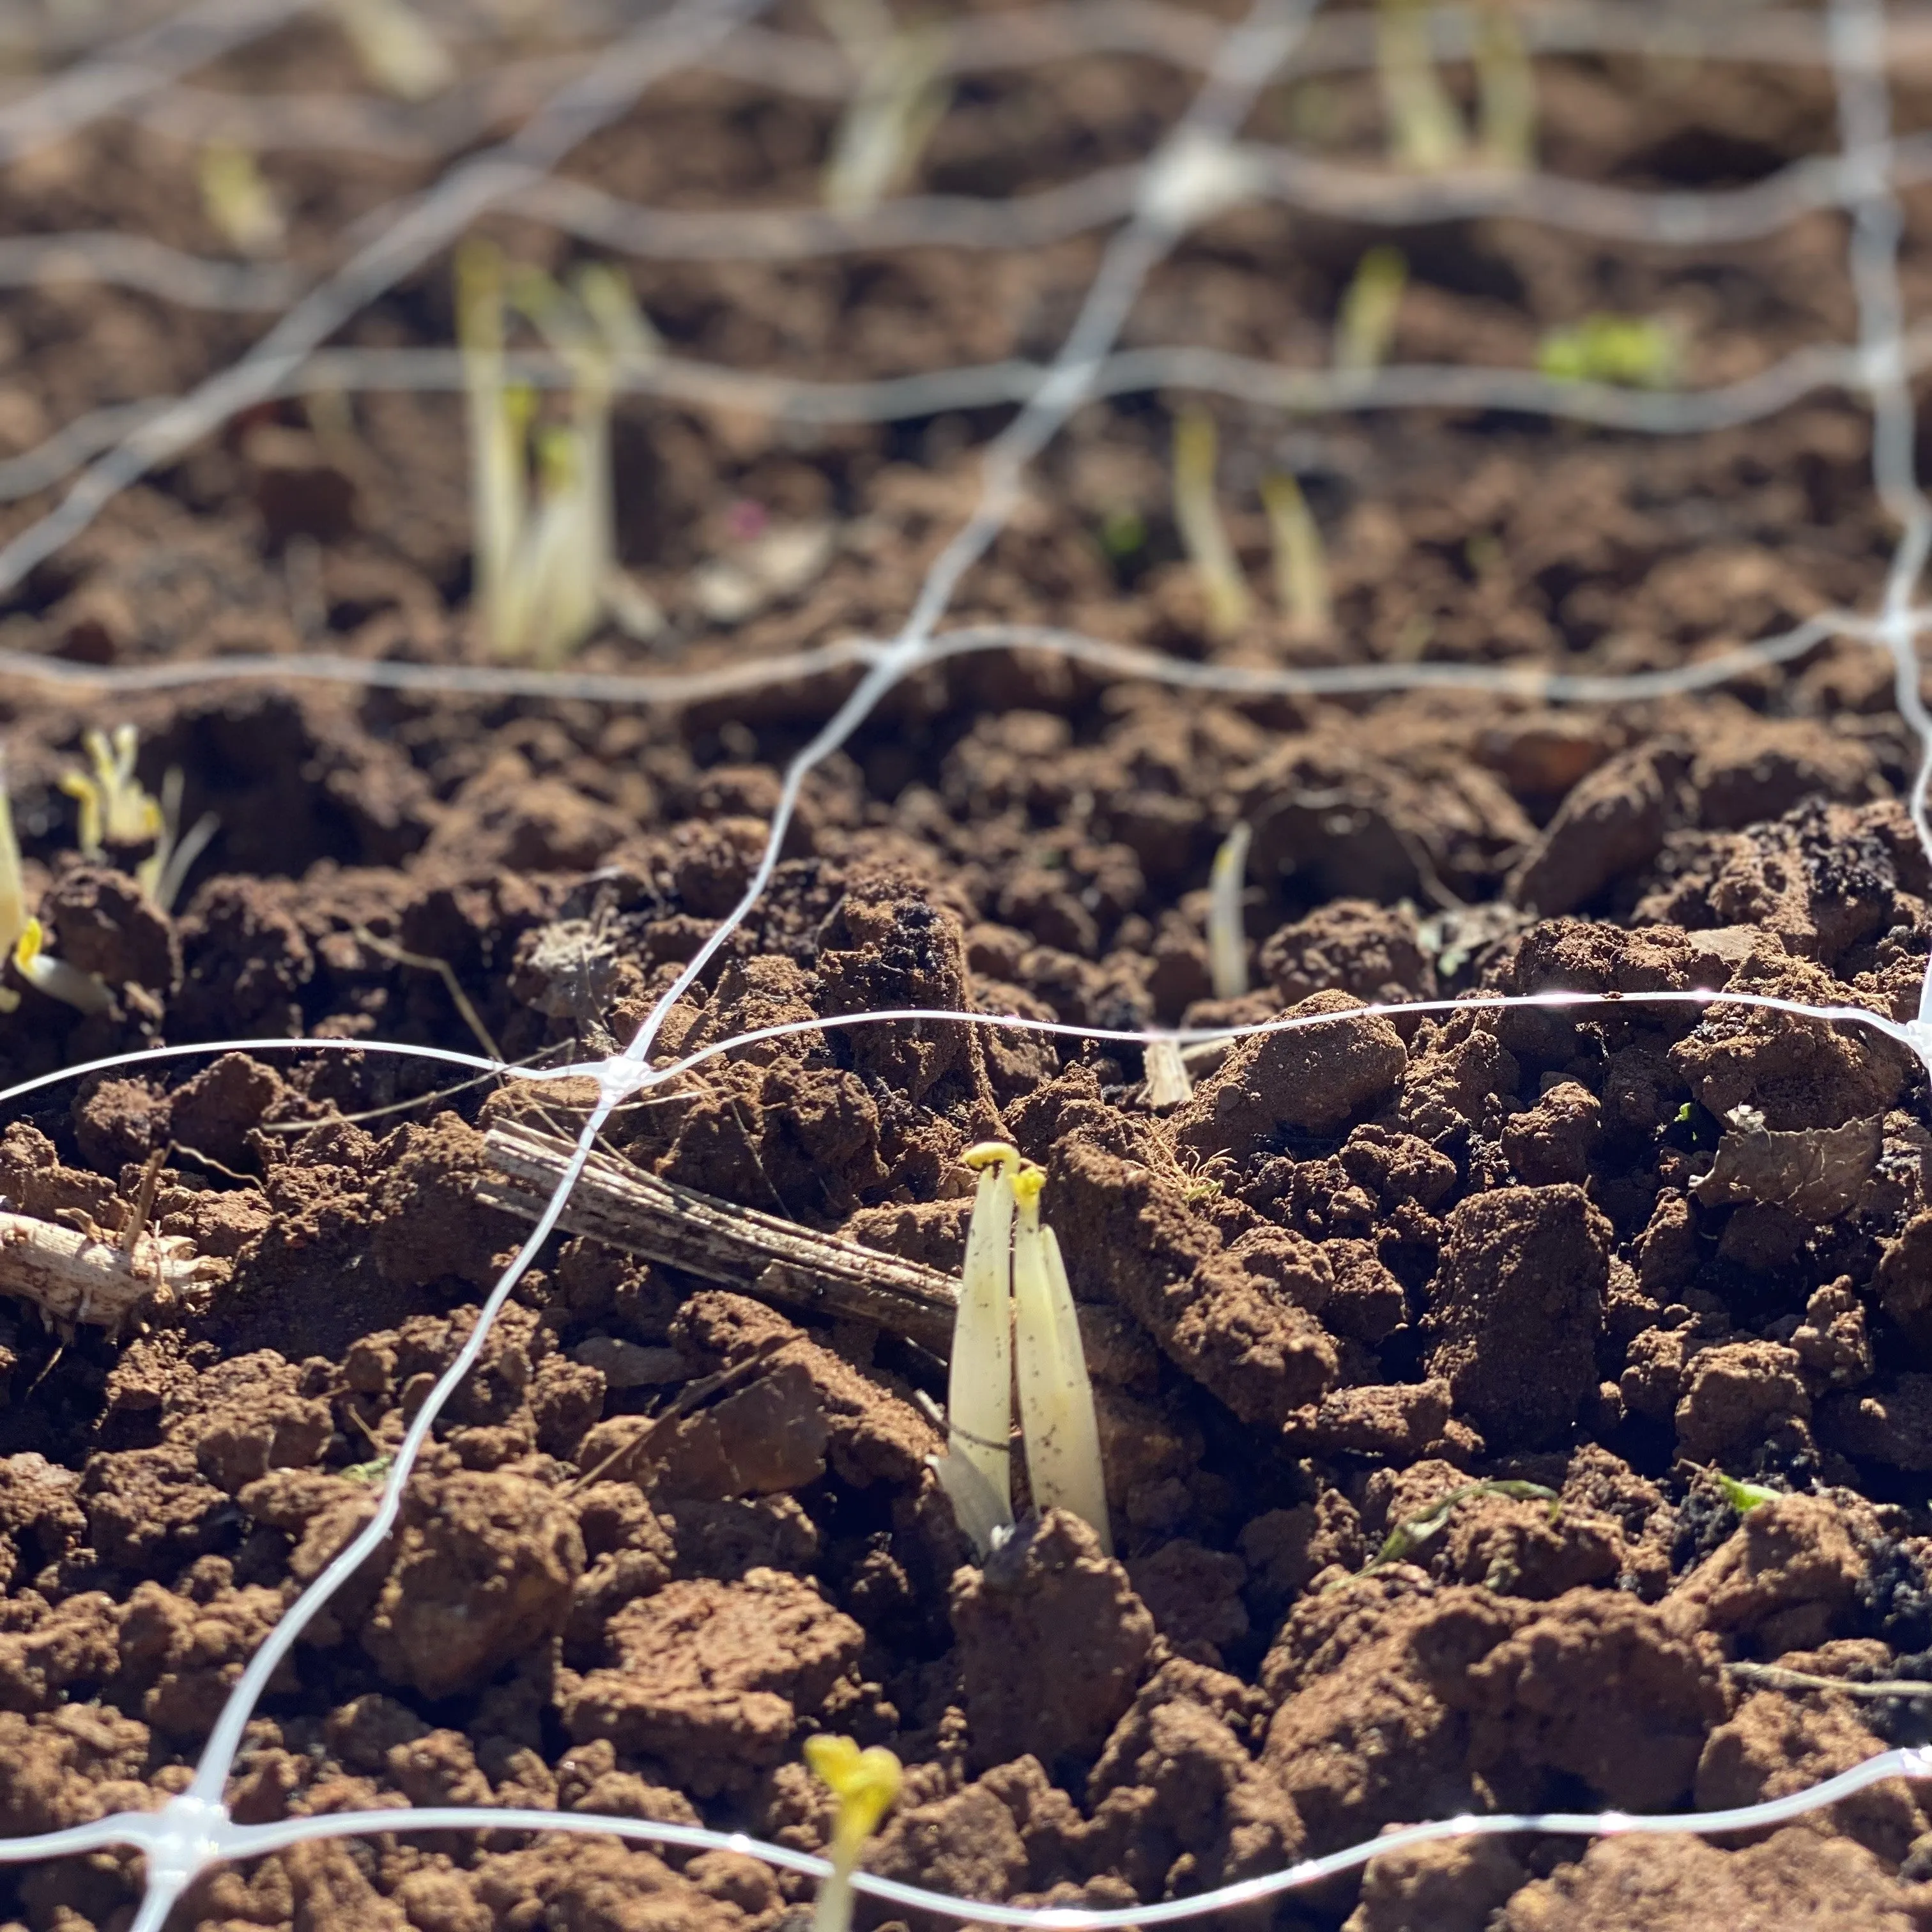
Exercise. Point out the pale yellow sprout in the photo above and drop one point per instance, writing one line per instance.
(21, 938)
(1365, 327)
(239, 201)
(1301, 563)
(114, 809)
(1057, 1417)
(1425, 128)
(13, 914)
(116, 813)
(1198, 517)
(547, 571)
(901, 97)
(1505, 91)
(397, 49)
(865, 1783)
(85, 992)
(1227, 935)
(975, 1470)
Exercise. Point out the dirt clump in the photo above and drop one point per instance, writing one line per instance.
(485, 1568)
(1515, 1308)
(1050, 1577)
(1794, 1878)
(1312, 1079)
(715, 1677)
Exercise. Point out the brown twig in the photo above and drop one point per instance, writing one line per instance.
(625, 1207)
(1774, 1677)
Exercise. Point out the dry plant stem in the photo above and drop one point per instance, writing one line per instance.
(1168, 1083)
(1772, 1677)
(625, 1207)
(73, 1277)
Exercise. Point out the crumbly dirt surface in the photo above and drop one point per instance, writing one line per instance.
(1365, 1275)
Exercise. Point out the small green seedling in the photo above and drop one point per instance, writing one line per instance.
(396, 47)
(1745, 1497)
(1301, 563)
(1365, 323)
(547, 573)
(1227, 933)
(23, 941)
(865, 1783)
(1409, 1535)
(1124, 535)
(1035, 1328)
(1197, 516)
(238, 202)
(1631, 351)
(901, 97)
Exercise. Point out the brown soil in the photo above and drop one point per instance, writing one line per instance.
(1363, 1268)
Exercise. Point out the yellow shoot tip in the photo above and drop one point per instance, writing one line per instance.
(983, 1154)
(1026, 1186)
(27, 947)
(81, 789)
(864, 1782)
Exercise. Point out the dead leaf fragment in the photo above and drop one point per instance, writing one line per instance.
(1817, 1172)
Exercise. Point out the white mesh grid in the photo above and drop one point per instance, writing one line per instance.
(1201, 167)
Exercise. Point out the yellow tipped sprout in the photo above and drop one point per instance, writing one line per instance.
(547, 573)
(1057, 1418)
(397, 47)
(114, 809)
(1365, 327)
(976, 1471)
(1505, 91)
(1198, 517)
(1227, 934)
(85, 992)
(1301, 563)
(116, 813)
(865, 1783)
(1425, 128)
(239, 203)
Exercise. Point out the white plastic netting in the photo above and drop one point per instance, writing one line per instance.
(1202, 167)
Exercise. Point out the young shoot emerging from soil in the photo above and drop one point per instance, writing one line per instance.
(1365, 323)
(119, 819)
(1227, 937)
(396, 47)
(1031, 1323)
(1197, 518)
(20, 934)
(976, 1471)
(546, 572)
(902, 95)
(1301, 563)
(865, 1783)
